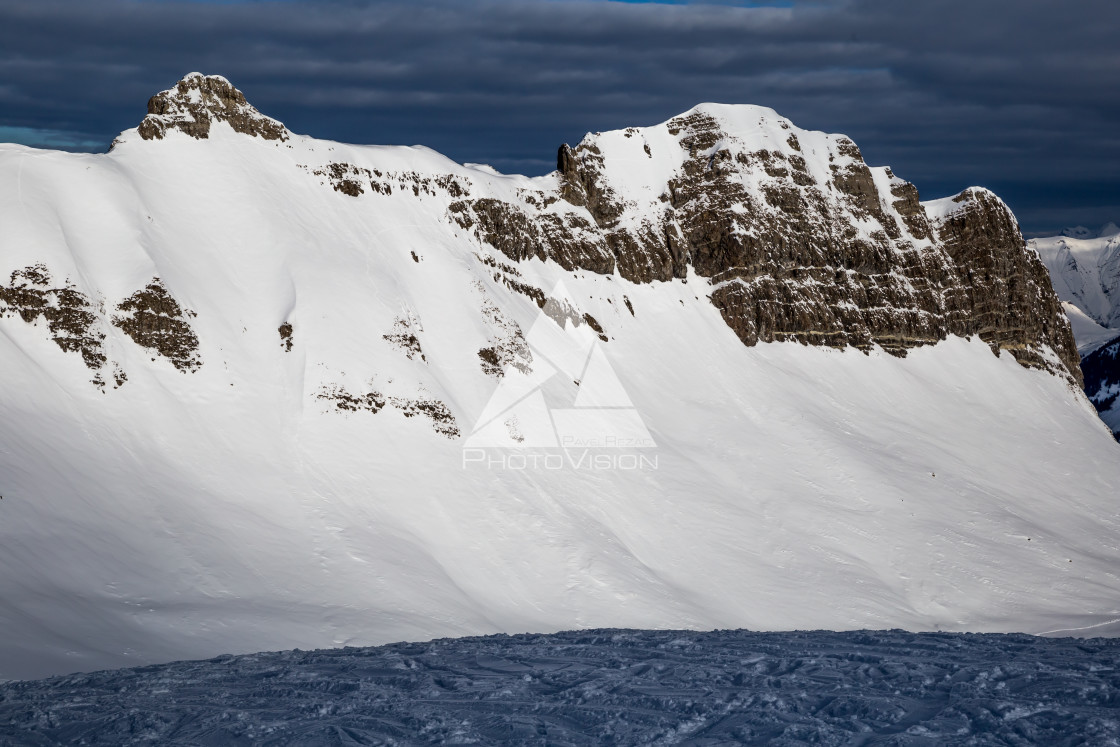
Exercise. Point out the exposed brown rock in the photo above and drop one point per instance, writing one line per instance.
(286, 339)
(441, 417)
(642, 257)
(799, 263)
(1007, 296)
(403, 338)
(345, 178)
(372, 401)
(522, 231)
(823, 258)
(794, 267)
(199, 100)
(511, 351)
(154, 320)
(906, 203)
(443, 422)
(855, 180)
(508, 346)
(562, 312)
(591, 322)
(72, 319)
(491, 362)
(580, 185)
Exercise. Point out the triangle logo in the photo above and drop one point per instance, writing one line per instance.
(570, 398)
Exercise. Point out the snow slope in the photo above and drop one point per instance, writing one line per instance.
(1086, 273)
(1089, 334)
(240, 495)
(1085, 270)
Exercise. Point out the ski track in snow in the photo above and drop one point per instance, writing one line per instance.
(600, 687)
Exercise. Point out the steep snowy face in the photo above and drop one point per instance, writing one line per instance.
(798, 237)
(1084, 267)
(1086, 272)
(247, 374)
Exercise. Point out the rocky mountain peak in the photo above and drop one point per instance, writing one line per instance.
(800, 239)
(197, 101)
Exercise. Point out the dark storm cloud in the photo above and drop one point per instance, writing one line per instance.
(1016, 95)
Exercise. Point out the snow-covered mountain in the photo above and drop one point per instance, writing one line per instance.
(266, 391)
(1081, 232)
(1102, 381)
(1085, 269)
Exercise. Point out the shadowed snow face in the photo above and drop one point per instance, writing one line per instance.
(637, 687)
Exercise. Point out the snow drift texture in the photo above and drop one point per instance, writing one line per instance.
(240, 367)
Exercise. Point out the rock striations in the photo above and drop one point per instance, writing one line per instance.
(798, 238)
(199, 100)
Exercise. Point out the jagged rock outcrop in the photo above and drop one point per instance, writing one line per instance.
(372, 401)
(197, 101)
(508, 348)
(403, 338)
(438, 413)
(568, 239)
(1005, 289)
(442, 420)
(286, 336)
(72, 319)
(797, 236)
(155, 320)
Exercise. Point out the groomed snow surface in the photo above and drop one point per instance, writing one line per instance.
(601, 687)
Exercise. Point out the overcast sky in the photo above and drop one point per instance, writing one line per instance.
(1022, 96)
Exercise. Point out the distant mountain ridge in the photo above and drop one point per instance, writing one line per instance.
(1085, 271)
(1101, 368)
(1081, 232)
(1084, 267)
